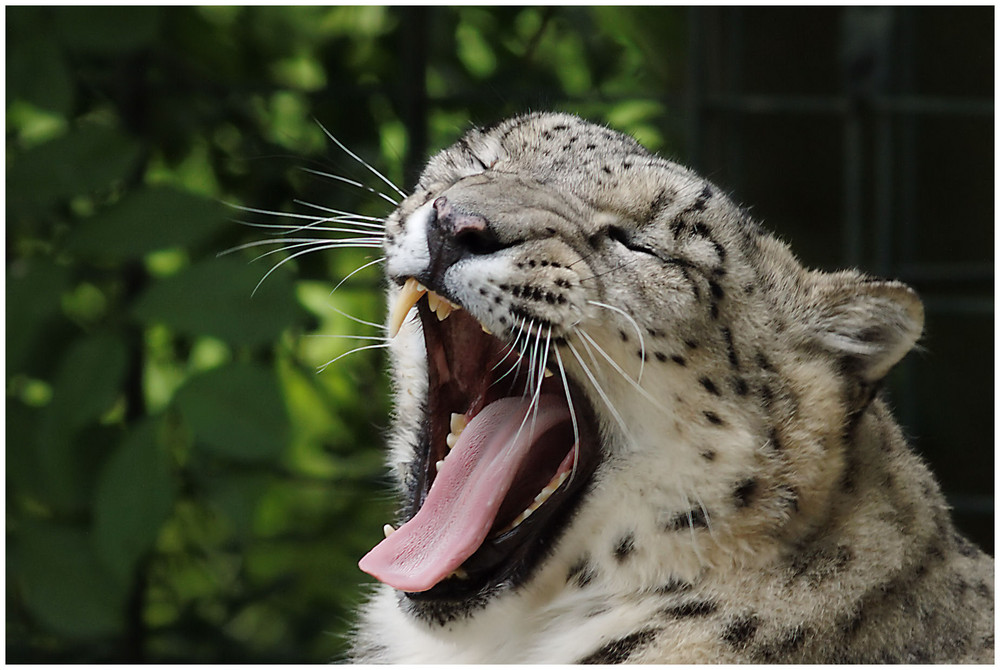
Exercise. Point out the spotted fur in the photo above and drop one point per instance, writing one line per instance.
(755, 500)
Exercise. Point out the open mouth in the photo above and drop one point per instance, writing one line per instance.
(506, 449)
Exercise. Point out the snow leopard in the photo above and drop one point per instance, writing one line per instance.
(630, 426)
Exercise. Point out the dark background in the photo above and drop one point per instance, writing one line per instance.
(181, 483)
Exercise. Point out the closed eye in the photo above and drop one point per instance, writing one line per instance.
(619, 236)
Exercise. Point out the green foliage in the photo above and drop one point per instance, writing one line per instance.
(182, 485)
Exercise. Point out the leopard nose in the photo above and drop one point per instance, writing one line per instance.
(454, 234)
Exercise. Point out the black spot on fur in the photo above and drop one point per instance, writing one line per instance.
(778, 651)
(625, 546)
(691, 344)
(774, 440)
(763, 363)
(740, 631)
(694, 608)
(621, 649)
(709, 386)
(740, 386)
(660, 356)
(678, 359)
(713, 418)
(674, 586)
(581, 573)
(623, 335)
(744, 492)
(965, 548)
(733, 361)
(708, 454)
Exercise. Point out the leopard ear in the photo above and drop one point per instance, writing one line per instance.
(870, 322)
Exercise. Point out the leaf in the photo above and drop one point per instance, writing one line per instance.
(135, 494)
(64, 585)
(214, 298)
(236, 411)
(147, 220)
(34, 289)
(107, 30)
(36, 68)
(89, 379)
(79, 162)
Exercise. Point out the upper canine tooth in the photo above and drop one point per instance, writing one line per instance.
(443, 309)
(451, 440)
(433, 300)
(388, 529)
(408, 296)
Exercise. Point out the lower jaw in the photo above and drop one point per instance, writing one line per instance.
(507, 560)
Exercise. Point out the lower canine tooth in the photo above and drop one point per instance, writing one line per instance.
(439, 465)
(451, 440)
(388, 529)
(443, 309)
(458, 423)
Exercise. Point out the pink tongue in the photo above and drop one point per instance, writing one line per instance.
(466, 494)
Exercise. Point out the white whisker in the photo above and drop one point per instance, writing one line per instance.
(354, 272)
(572, 413)
(318, 247)
(361, 217)
(354, 318)
(644, 392)
(597, 387)
(358, 159)
(638, 331)
(352, 183)
(323, 367)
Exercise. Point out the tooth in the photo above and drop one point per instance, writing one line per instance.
(433, 300)
(408, 297)
(458, 423)
(443, 309)
(454, 307)
(388, 529)
(459, 572)
(439, 465)
(451, 440)
(486, 330)
(548, 373)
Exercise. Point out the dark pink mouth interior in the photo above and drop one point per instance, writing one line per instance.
(514, 444)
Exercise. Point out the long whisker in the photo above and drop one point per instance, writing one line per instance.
(354, 318)
(323, 367)
(615, 365)
(572, 413)
(356, 271)
(597, 387)
(638, 331)
(294, 215)
(351, 182)
(340, 212)
(296, 242)
(358, 159)
(318, 247)
(375, 338)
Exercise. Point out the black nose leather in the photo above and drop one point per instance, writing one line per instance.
(454, 234)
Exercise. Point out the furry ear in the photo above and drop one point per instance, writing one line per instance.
(873, 322)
